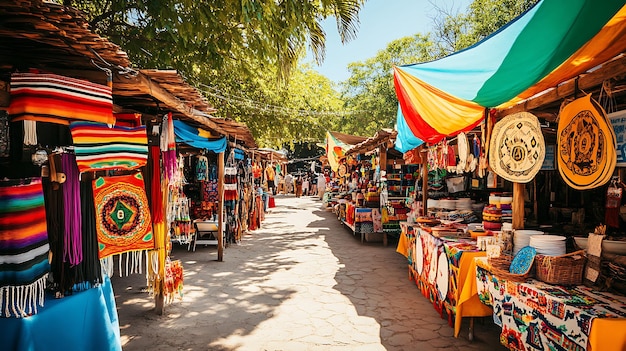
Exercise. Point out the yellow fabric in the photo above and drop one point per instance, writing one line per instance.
(334, 151)
(443, 112)
(468, 303)
(205, 133)
(607, 334)
(605, 45)
(403, 243)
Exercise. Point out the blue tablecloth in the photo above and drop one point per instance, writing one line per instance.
(83, 321)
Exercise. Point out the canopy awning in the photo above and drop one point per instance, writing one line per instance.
(336, 146)
(552, 42)
(197, 137)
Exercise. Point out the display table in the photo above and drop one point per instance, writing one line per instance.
(84, 321)
(539, 316)
(439, 267)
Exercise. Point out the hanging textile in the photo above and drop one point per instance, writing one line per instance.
(202, 168)
(517, 148)
(585, 145)
(72, 233)
(23, 247)
(444, 97)
(197, 137)
(57, 99)
(230, 183)
(99, 147)
(168, 148)
(123, 221)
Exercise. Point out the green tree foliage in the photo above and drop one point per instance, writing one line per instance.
(300, 110)
(243, 53)
(370, 89)
(370, 86)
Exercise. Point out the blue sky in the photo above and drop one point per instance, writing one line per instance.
(381, 21)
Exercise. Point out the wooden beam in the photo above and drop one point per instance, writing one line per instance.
(149, 87)
(613, 69)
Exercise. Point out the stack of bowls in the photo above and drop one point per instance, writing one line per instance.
(521, 238)
(432, 203)
(492, 218)
(548, 245)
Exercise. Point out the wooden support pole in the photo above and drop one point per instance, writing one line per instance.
(220, 207)
(518, 205)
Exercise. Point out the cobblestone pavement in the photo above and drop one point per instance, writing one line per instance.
(301, 282)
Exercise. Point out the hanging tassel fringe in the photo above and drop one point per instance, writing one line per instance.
(22, 301)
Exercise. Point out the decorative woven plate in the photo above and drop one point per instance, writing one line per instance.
(585, 145)
(523, 260)
(517, 147)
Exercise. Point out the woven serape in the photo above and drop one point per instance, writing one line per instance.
(98, 147)
(23, 247)
(58, 99)
(123, 220)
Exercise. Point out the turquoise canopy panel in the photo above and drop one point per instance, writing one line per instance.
(520, 54)
(405, 141)
(190, 136)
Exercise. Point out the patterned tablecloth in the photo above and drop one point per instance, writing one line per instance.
(538, 316)
(439, 267)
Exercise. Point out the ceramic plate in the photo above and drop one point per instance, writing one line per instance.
(523, 260)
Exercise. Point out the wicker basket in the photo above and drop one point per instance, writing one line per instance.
(500, 267)
(567, 269)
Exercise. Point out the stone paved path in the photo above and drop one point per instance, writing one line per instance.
(302, 282)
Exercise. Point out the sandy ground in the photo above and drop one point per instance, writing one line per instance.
(301, 282)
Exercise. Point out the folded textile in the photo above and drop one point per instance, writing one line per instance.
(23, 247)
(58, 99)
(100, 147)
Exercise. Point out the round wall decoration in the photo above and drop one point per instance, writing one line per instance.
(517, 148)
(585, 144)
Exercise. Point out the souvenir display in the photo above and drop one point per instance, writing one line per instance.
(100, 147)
(23, 247)
(57, 99)
(517, 148)
(585, 145)
(122, 215)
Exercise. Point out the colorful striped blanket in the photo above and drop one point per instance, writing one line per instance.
(98, 147)
(23, 247)
(57, 99)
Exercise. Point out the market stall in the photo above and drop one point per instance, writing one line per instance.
(534, 141)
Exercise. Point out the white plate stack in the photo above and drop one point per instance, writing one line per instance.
(521, 238)
(548, 245)
(464, 204)
(447, 204)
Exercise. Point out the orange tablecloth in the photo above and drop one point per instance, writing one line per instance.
(605, 334)
(468, 303)
(403, 242)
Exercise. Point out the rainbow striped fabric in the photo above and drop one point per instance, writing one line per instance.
(99, 147)
(23, 247)
(58, 99)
